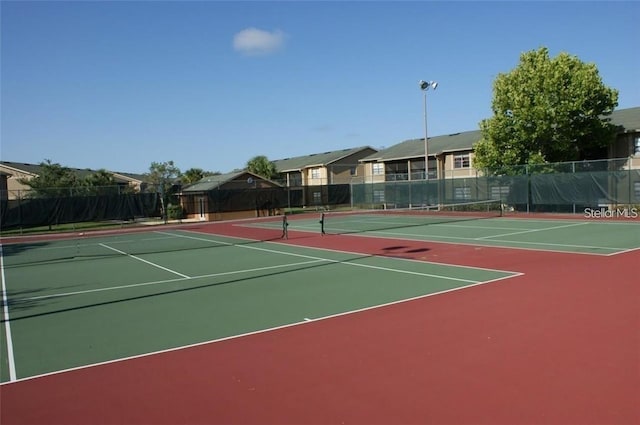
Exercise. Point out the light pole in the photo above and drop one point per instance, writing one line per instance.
(424, 86)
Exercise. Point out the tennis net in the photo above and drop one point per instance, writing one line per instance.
(45, 249)
(358, 221)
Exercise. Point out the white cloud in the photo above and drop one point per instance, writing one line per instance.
(255, 42)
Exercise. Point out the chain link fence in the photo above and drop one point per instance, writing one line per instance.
(569, 187)
(556, 187)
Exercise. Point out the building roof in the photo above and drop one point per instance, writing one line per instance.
(214, 182)
(627, 119)
(36, 169)
(415, 147)
(129, 176)
(317, 159)
(22, 167)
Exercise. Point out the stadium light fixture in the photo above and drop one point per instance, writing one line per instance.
(424, 86)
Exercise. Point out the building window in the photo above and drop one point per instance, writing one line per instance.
(378, 168)
(353, 171)
(636, 149)
(315, 173)
(462, 193)
(461, 161)
(317, 198)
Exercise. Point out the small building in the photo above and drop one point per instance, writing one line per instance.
(239, 194)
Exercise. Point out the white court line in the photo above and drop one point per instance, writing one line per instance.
(571, 220)
(145, 261)
(345, 262)
(623, 251)
(159, 282)
(305, 321)
(532, 230)
(605, 248)
(7, 323)
(466, 226)
(460, 240)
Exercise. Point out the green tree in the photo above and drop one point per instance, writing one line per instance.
(103, 182)
(100, 177)
(547, 110)
(100, 182)
(162, 178)
(53, 180)
(261, 166)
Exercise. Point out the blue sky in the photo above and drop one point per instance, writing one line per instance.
(210, 84)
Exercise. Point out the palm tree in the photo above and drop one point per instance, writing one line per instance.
(261, 166)
(192, 175)
(100, 182)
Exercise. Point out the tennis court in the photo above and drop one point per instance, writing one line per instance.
(232, 323)
(90, 300)
(482, 228)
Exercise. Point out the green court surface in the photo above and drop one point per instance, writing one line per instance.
(71, 303)
(603, 237)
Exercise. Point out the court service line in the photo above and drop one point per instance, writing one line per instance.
(532, 230)
(145, 261)
(7, 323)
(159, 282)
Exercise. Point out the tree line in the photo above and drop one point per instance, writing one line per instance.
(55, 179)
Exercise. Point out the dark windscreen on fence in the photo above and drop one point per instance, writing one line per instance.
(32, 212)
